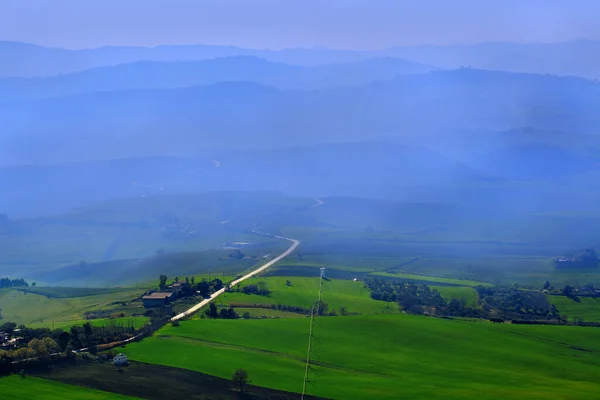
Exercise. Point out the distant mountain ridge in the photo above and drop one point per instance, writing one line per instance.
(568, 58)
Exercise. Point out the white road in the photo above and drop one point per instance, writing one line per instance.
(216, 294)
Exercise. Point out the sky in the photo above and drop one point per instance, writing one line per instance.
(275, 24)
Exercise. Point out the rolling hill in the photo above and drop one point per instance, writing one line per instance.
(241, 115)
(163, 75)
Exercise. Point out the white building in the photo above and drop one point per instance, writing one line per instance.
(120, 359)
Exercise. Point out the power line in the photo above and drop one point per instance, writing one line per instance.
(310, 333)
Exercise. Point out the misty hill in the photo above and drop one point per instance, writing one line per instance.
(162, 75)
(568, 58)
(28, 60)
(367, 169)
(535, 161)
(250, 116)
(576, 58)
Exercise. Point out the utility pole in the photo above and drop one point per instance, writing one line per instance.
(310, 332)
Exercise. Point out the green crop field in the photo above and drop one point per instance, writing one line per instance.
(389, 356)
(37, 311)
(16, 388)
(304, 292)
(136, 322)
(466, 294)
(588, 309)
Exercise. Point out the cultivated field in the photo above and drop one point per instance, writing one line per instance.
(587, 309)
(389, 356)
(35, 310)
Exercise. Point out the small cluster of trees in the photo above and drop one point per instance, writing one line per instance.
(225, 313)
(34, 348)
(507, 302)
(413, 298)
(11, 283)
(260, 289)
(512, 303)
(189, 287)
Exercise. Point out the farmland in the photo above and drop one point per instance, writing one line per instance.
(304, 292)
(388, 356)
(588, 309)
(17, 388)
(36, 310)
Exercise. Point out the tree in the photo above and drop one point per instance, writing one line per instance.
(288, 283)
(240, 379)
(204, 288)
(231, 314)
(546, 285)
(568, 291)
(192, 280)
(212, 311)
(63, 340)
(237, 253)
(223, 314)
(33, 284)
(343, 311)
(163, 282)
(246, 315)
(87, 330)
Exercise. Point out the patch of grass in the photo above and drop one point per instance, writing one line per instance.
(468, 295)
(588, 309)
(389, 356)
(17, 388)
(304, 292)
(37, 311)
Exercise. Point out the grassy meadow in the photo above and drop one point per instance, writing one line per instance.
(389, 356)
(468, 295)
(16, 388)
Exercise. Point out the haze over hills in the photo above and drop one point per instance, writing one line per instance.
(161, 75)
(567, 58)
(242, 115)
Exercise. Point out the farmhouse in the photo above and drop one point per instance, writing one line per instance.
(158, 299)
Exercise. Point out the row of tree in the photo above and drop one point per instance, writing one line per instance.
(12, 283)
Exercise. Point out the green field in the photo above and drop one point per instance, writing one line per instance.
(466, 294)
(588, 309)
(267, 312)
(17, 388)
(304, 292)
(389, 356)
(36, 311)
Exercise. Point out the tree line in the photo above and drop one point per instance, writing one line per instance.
(505, 302)
(11, 283)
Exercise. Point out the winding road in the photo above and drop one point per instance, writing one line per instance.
(194, 309)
